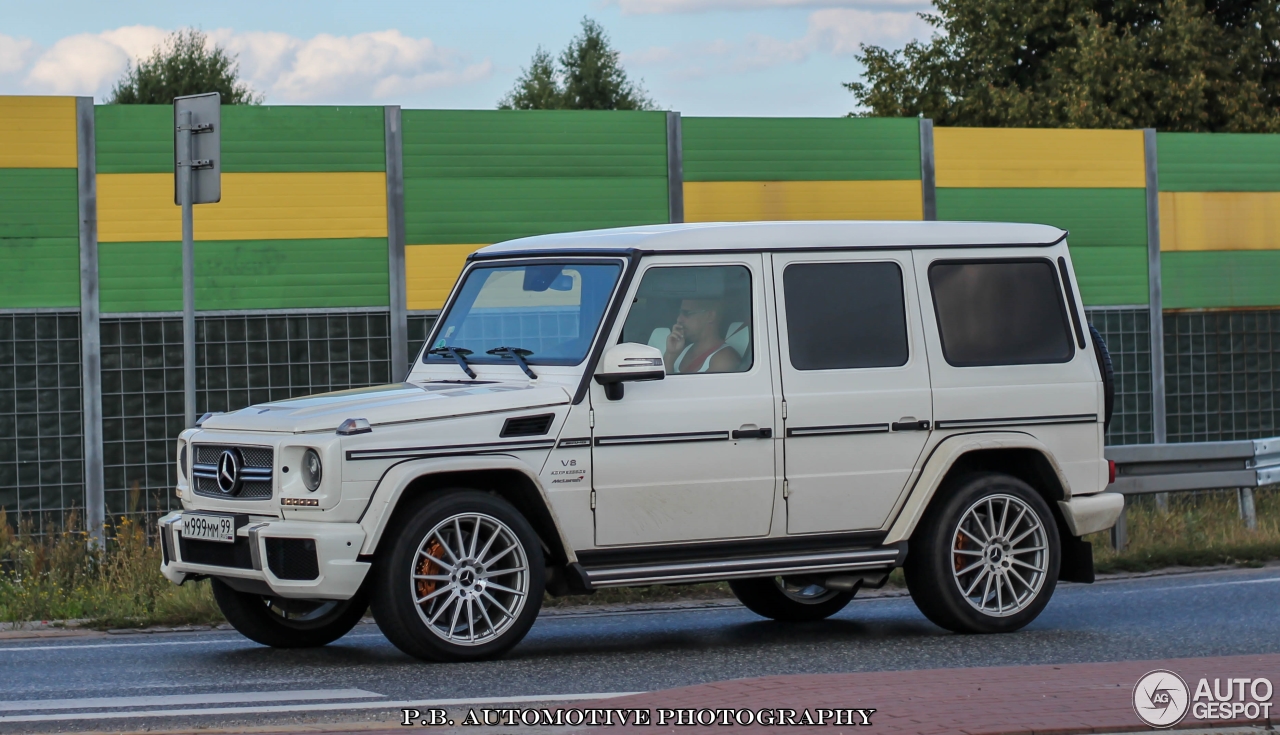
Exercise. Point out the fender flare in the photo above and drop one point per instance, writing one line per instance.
(386, 496)
(944, 456)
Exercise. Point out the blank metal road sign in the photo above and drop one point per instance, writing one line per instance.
(206, 146)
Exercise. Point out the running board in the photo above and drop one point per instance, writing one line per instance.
(882, 558)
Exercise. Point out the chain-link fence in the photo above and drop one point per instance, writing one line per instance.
(1127, 334)
(1222, 371)
(41, 432)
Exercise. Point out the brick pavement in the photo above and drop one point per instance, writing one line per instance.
(1062, 699)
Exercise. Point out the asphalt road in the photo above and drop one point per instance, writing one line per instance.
(233, 681)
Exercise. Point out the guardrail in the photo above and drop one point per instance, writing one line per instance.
(1165, 468)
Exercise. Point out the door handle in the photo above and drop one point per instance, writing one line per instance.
(752, 433)
(911, 425)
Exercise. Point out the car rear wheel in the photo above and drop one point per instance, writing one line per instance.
(461, 580)
(791, 599)
(985, 558)
(286, 623)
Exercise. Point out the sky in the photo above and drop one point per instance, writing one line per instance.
(700, 57)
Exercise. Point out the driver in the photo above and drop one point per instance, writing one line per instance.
(696, 343)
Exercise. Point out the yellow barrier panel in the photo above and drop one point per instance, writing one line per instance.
(254, 206)
(37, 132)
(431, 270)
(1226, 220)
(746, 201)
(1018, 157)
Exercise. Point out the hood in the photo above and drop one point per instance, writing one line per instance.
(387, 404)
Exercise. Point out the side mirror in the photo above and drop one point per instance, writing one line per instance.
(627, 362)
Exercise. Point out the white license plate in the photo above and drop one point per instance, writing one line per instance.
(209, 528)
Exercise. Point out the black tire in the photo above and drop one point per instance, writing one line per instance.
(767, 598)
(283, 623)
(396, 592)
(932, 567)
(1105, 367)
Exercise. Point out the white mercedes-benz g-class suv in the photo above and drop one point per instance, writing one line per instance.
(796, 408)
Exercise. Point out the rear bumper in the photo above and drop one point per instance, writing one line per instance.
(295, 559)
(1087, 514)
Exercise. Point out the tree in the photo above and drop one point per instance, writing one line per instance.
(185, 63)
(589, 77)
(537, 88)
(1188, 65)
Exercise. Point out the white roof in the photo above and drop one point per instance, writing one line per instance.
(786, 236)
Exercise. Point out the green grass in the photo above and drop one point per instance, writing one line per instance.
(59, 575)
(1198, 529)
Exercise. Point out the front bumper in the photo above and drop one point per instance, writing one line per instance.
(1086, 514)
(297, 559)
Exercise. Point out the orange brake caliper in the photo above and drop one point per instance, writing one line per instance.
(428, 567)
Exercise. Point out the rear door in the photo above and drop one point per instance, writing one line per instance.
(855, 382)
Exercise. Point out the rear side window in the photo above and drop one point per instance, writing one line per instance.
(845, 315)
(1006, 312)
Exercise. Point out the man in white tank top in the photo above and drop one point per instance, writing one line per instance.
(696, 343)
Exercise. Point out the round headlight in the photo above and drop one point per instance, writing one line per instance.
(311, 470)
(182, 460)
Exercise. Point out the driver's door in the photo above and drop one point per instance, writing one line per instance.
(690, 457)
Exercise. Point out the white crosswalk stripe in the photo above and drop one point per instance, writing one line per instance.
(309, 707)
(31, 705)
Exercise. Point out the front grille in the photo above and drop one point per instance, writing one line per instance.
(255, 465)
(292, 558)
(216, 553)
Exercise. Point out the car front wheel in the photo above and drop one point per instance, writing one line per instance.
(985, 559)
(461, 580)
(284, 623)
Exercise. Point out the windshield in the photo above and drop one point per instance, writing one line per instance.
(552, 310)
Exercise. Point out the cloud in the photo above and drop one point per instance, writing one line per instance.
(833, 31)
(361, 68)
(663, 7)
(15, 53)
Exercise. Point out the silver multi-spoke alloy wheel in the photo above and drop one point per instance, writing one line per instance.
(999, 555)
(470, 579)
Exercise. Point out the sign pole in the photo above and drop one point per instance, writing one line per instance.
(197, 179)
(188, 270)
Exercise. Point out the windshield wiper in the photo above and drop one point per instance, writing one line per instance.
(518, 354)
(457, 353)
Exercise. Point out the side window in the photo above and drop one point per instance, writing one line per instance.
(1000, 312)
(845, 315)
(699, 316)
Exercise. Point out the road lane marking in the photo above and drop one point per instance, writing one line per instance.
(29, 705)
(75, 646)
(1202, 586)
(408, 703)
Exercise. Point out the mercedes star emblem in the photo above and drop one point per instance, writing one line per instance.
(229, 472)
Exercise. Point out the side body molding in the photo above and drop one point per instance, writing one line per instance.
(398, 477)
(940, 461)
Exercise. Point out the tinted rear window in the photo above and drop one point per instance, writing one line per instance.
(845, 315)
(1000, 312)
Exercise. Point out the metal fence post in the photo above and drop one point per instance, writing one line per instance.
(675, 168)
(928, 175)
(1120, 531)
(1248, 511)
(1155, 300)
(397, 291)
(90, 328)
